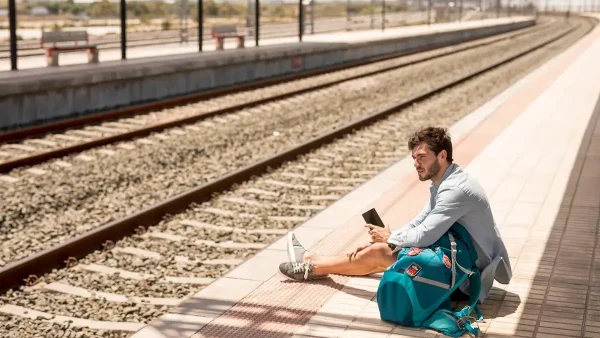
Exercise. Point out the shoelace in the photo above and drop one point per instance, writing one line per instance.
(302, 267)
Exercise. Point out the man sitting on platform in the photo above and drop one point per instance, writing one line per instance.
(455, 197)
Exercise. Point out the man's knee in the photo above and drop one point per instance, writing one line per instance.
(380, 249)
(377, 257)
(379, 252)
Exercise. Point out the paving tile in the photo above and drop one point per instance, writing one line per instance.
(344, 299)
(500, 211)
(216, 298)
(511, 328)
(525, 165)
(509, 190)
(558, 332)
(559, 325)
(261, 267)
(592, 329)
(308, 236)
(523, 319)
(523, 213)
(328, 320)
(315, 330)
(173, 325)
(356, 333)
(341, 310)
(536, 191)
(371, 323)
(515, 232)
(411, 332)
(149, 331)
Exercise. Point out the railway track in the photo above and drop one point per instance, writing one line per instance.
(33, 151)
(25, 133)
(160, 265)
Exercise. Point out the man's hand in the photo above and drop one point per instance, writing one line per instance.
(357, 250)
(378, 234)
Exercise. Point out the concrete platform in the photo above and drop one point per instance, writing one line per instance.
(28, 62)
(33, 96)
(270, 33)
(536, 151)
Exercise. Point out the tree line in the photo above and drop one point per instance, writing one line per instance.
(149, 10)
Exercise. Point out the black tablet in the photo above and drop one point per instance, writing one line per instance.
(371, 217)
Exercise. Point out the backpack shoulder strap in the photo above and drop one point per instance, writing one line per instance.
(465, 316)
(459, 231)
(455, 264)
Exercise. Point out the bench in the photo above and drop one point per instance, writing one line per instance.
(68, 41)
(226, 31)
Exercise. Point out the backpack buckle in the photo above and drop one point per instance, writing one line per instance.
(461, 322)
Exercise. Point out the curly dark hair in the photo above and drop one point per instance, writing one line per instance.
(436, 138)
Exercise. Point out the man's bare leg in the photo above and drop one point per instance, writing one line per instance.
(375, 258)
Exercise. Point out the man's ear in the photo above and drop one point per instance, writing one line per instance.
(443, 155)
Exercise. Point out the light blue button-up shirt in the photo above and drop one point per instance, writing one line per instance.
(460, 198)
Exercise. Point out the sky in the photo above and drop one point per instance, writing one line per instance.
(575, 5)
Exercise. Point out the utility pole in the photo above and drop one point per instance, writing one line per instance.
(312, 16)
(347, 15)
(250, 18)
(372, 14)
(183, 21)
(200, 24)
(428, 12)
(382, 15)
(12, 18)
(256, 21)
(123, 30)
(300, 20)
(498, 8)
(447, 12)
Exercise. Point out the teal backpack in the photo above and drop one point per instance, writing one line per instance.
(415, 290)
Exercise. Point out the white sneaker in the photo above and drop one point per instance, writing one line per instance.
(295, 250)
(299, 271)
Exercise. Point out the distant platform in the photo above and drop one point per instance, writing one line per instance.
(36, 96)
(28, 62)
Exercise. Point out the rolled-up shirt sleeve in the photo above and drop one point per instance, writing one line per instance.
(415, 221)
(451, 205)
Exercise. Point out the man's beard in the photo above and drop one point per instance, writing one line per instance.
(431, 171)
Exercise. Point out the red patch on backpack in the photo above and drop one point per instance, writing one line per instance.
(447, 262)
(414, 251)
(413, 270)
